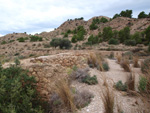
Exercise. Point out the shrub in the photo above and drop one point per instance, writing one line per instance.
(17, 62)
(120, 86)
(65, 35)
(3, 42)
(130, 42)
(107, 33)
(18, 92)
(149, 47)
(79, 74)
(65, 43)
(142, 83)
(35, 38)
(111, 56)
(93, 26)
(103, 20)
(93, 39)
(105, 66)
(142, 15)
(147, 34)
(124, 34)
(90, 80)
(82, 98)
(55, 42)
(113, 41)
(145, 66)
(21, 39)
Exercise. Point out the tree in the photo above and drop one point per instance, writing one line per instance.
(93, 39)
(142, 15)
(147, 33)
(93, 26)
(18, 92)
(65, 43)
(127, 13)
(124, 34)
(107, 33)
(103, 20)
(74, 39)
(116, 15)
(55, 42)
(137, 37)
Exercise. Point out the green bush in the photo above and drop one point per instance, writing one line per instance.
(21, 39)
(149, 47)
(105, 66)
(55, 42)
(65, 35)
(90, 80)
(130, 42)
(142, 15)
(62, 43)
(17, 62)
(124, 34)
(120, 86)
(93, 39)
(18, 92)
(65, 43)
(145, 65)
(35, 38)
(107, 33)
(142, 83)
(103, 20)
(93, 26)
(113, 41)
(3, 42)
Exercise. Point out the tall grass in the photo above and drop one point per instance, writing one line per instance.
(119, 57)
(107, 96)
(135, 62)
(63, 90)
(125, 65)
(131, 82)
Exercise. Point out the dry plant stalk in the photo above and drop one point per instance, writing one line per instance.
(63, 90)
(135, 62)
(107, 99)
(119, 57)
(131, 81)
(93, 58)
(125, 65)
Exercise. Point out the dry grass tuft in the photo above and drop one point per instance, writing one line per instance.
(131, 81)
(96, 60)
(63, 91)
(107, 96)
(125, 65)
(119, 57)
(135, 62)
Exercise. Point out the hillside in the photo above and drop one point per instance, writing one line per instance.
(11, 46)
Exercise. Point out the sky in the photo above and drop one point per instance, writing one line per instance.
(36, 16)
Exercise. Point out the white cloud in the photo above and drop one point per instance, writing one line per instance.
(37, 15)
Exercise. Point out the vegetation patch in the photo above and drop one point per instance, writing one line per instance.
(120, 86)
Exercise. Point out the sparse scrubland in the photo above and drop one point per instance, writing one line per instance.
(82, 66)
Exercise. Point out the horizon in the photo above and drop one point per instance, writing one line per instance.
(46, 15)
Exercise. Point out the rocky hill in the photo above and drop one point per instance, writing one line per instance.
(11, 46)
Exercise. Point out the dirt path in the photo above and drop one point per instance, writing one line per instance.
(115, 74)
